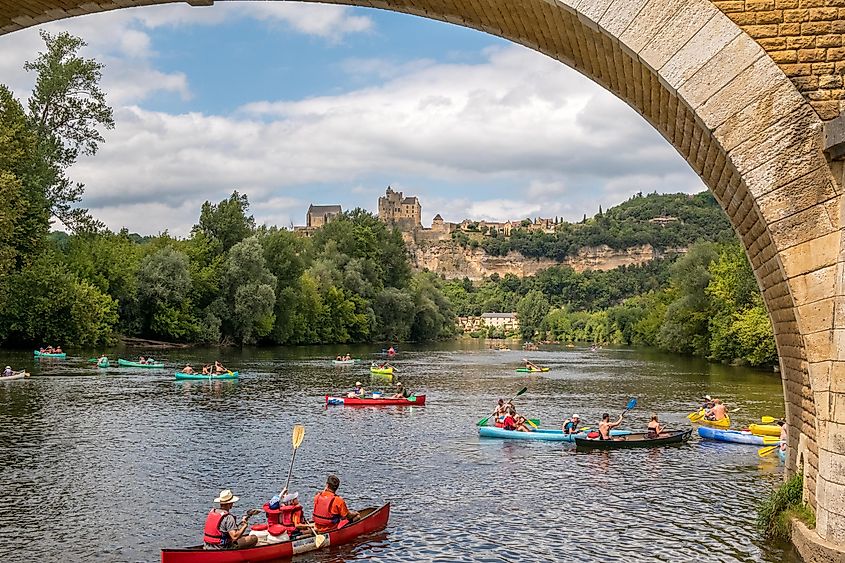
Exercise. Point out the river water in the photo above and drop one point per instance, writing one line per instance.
(112, 465)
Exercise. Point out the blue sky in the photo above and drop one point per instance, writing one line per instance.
(299, 103)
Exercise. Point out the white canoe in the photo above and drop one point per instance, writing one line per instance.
(19, 375)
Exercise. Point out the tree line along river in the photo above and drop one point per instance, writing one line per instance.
(112, 465)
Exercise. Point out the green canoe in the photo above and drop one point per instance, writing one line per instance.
(128, 364)
(103, 364)
(39, 354)
(231, 375)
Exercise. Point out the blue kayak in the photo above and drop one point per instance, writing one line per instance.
(734, 436)
(542, 434)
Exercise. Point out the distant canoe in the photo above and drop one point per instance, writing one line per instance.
(180, 375)
(46, 355)
(128, 364)
(532, 370)
(638, 440)
(764, 429)
(104, 364)
(413, 400)
(381, 371)
(346, 362)
(18, 375)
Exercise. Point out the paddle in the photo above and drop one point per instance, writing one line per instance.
(768, 419)
(296, 439)
(768, 440)
(483, 421)
(763, 452)
(696, 416)
(631, 404)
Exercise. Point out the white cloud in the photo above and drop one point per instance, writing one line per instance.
(515, 135)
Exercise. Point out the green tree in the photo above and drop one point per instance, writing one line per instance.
(66, 109)
(531, 310)
(226, 224)
(249, 288)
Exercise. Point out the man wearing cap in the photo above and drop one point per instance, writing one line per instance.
(570, 425)
(221, 530)
(330, 510)
(8, 371)
(400, 392)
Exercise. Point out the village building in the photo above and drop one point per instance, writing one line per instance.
(319, 215)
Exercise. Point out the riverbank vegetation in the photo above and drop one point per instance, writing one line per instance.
(230, 281)
(704, 303)
(782, 504)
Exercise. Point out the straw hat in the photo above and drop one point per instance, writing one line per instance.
(357, 384)
(226, 497)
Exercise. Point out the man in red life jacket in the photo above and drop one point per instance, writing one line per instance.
(221, 530)
(330, 510)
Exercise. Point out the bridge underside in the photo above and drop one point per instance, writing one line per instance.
(742, 124)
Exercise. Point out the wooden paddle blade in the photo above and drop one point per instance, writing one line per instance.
(319, 540)
(298, 435)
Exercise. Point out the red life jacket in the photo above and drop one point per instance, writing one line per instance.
(323, 517)
(288, 512)
(211, 531)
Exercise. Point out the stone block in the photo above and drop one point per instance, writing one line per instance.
(813, 286)
(810, 256)
(796, 16)
(785, 29)
(837, 376)
(680, 28)
(811, 55)
(800, 42)
(784, 56)
(620, 14)
(823, 14)
(655, 17)
(803, 69)
(818, 345)
(773, 16)
(810, 28)
(825, 41)
(801, 227)
(715, 38)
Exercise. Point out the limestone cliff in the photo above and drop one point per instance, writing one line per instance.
(454, 261)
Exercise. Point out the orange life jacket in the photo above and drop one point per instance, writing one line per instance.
(288, 512)
(211, 531)
(323, 517)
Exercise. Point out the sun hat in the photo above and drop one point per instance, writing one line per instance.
(357, 384)
(226, 497)
(576, 416)
(289, 497)
(708, 397)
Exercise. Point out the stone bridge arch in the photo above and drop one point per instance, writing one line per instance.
(751, 127)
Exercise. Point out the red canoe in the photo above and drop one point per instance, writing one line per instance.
(414, 400)
(372, 520)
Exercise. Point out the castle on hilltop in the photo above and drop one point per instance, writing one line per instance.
(404, 212)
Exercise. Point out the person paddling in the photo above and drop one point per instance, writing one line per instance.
(221, 530)
(8, 372)
(219, 368)
(718, 412)
(605, 426)
(784, 434)
(401, 393)
(530, 365)
(188, 369)
(655, 429)
(570, 425)
(330, 510)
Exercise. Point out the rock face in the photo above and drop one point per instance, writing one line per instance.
(453, 261)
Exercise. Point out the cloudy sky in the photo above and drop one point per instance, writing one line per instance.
(295, 104)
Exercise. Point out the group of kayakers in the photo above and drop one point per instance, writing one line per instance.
(505, 416)
(285, 515)
(345, 358)
(358, 392)
(51, 350)
(207, 369)
(146, 360)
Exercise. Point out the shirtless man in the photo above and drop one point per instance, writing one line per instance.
(605, 426)
(718, 412)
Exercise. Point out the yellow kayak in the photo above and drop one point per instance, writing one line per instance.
(724, 423)
(698, 418)
(765, 429)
